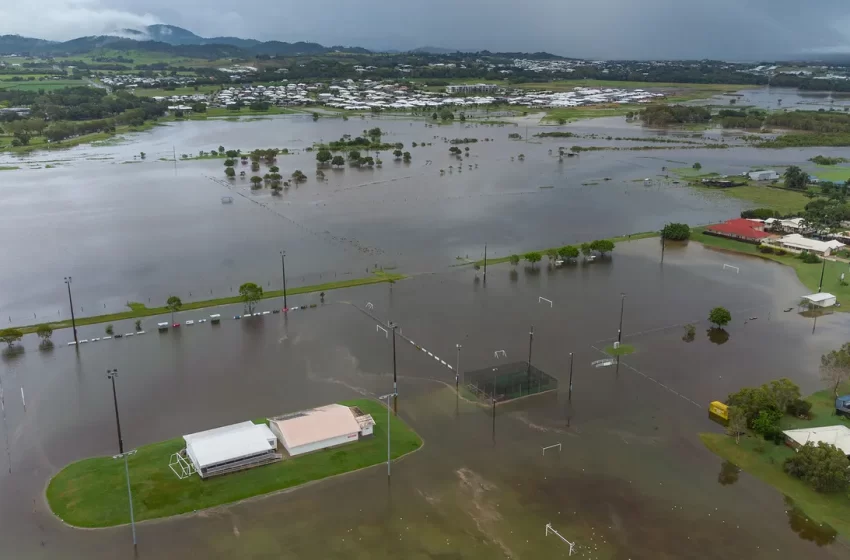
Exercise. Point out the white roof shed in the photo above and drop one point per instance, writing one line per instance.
(228, 445)
(821, 299)
(317, 428)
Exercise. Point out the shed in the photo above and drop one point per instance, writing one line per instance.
(839, 436)
(231, 448)
(319, 428)
(821, 299)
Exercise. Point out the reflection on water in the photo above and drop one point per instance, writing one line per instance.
(819, 533)
(717, 336)
(728, 473)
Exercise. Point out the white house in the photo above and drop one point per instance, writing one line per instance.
(320, 428)
(765, 175)
(839, 436)
(797, 242)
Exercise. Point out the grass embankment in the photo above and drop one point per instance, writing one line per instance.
(138, 310)
(570, 114)
(41, 143)
(764, 460)
(785, 201)
(619, 239)
(93, 492)
(809, 274)
(36, 85)
(622, 350)
(834, 173)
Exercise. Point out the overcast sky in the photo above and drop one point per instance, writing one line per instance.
(724, 29)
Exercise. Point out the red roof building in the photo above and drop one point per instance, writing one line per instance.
(740, 228)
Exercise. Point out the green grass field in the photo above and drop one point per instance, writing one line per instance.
(93, 492)
(138, 310)
(36, 85)
(834, 173)
(623, 350)
(809, 274)
(764, 460)
(571, 114)
(782, 200)
(189, 90)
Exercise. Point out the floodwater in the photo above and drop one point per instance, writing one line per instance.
(129, 230)
(632, 479)
(782, 98)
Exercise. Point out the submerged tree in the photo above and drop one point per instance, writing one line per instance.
(251, 294)
(720, 317)
(173, 303)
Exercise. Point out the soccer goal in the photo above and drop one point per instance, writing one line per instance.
(180, 466)
(735, 268)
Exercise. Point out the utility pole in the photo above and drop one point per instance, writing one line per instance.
(71, 303)
(663, 244)
(485, 263)
(387, 397)
(283, 273)
(112, 374)
(822, 270)
(570, 396)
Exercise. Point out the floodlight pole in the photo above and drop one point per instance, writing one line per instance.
(393, 326)
(620, 330)
(457, 366)
(129, 490)
(485, 263)
(570, 395)
(283, 273)
(822, 270)
(387, 397)
(112, 374)
(71, 302)
(663, 244)
(528, 370)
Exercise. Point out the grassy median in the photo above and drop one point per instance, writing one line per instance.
(138, 310)
(93, 492)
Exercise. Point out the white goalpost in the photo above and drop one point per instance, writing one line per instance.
(549, 301)
(500, 354)
(180, 466)
(559, 535)
(735, 268)
(558, 445)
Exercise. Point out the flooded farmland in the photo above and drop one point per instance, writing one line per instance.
(631, 479)
(130, 230)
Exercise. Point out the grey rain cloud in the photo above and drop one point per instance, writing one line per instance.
(724, 29)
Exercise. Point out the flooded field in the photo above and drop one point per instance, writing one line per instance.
(130, 230)
(783, 98)
(631, 480)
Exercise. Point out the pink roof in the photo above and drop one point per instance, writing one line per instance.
(317, 424)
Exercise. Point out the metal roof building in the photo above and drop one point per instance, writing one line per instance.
(231, 448)
(839, 436)
(319, 428)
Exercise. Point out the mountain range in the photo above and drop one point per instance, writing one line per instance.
(165, 38)
(178, 41)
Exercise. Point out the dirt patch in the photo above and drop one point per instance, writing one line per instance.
(475, 499)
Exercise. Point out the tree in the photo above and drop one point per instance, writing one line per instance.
(338, 161)
(229, 163)
(586, 250)
(11, 336)
(199, 108)
(230, 172)
(353, 155)
(109, 330)
(256, 180)
(255, 166)
(44, 331)
(796, 178)
(251, 294)
(823, 467)
(697, 166)
(766, 422)
(676, 232)
(783, 392)
(298, 176)
(835, 367)
(728, 474)
(719, 316)
(398, 153)
(232, 154)
(173, 303)
(533, 257)
(407, 157)
(454, 150)
(568, 252)
(552, 255)
(138, 324)
(323, 156)
(737, 423)
(221, 149)
(603, 246)
(514, 259)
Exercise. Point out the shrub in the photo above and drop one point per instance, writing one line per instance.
(766, 422)
(766, 249)
(823, 467)
(799, 408)
(810, 258)
(780, 252)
